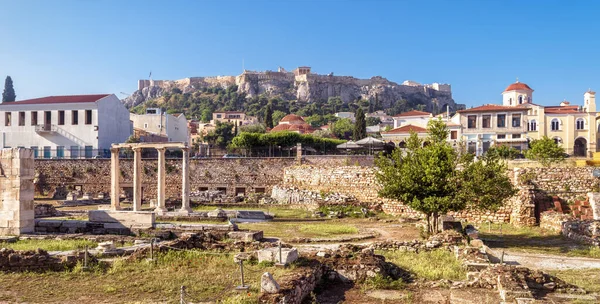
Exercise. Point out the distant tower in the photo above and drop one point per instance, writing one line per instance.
(516, 94)
(589, 103)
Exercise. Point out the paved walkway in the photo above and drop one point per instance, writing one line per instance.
(546, 261)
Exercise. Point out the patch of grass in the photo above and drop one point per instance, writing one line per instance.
(588, 279)
(381, 282)
(327, 229)
(49, 245)
(278, 212)
(430, 265)
(207, 277)
(290, 229)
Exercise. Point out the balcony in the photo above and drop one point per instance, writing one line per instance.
(45, 128)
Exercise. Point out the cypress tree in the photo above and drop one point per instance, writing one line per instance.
(360, 127)
(9, 91)
(269, 117)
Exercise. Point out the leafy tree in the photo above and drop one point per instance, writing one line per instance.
(9, 91)
(323, 134)
(269, 117)
(436, 179)
(545, 150)
(360, 127)
(132, 139)
(247, 141)
(316, 120)
(335, 104)
(277, 116)
(206, 115)
(373, 121)
(342, 128)
(253, 128)
(221, 135)
(503, 151)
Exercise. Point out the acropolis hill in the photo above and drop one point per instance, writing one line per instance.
(303, 85)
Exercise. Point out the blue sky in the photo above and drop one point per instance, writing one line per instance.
(479, 47)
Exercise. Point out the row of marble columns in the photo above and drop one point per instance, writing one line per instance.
(137, 181)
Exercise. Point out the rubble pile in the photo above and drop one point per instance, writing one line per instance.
(36, 260)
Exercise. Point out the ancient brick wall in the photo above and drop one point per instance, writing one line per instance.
(568, 184)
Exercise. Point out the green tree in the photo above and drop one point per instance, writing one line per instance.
(503, 151)
(206, 115)
(221, 135)
(360, 127)
(545, 150)
(253, 128)
(342, 128)
(316, 120)
(269, 117)
(277, 116)
(9, 91)
(436, 179)
(373, 121)
(335, 104)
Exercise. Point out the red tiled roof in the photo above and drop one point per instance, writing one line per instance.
(562, 110)
(413, 113)
(302, 128)
(406, 129)
(60, 99)
(492, 108)
(518, 86)
(292, 118)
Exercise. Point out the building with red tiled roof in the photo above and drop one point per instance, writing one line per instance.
(415, 118)
(516, 94)
(70, 126)
(293, 123)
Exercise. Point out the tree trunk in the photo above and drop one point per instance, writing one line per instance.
(428, 224)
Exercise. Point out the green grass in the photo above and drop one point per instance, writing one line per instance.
(588, 279)
(278, 212)
(430, 265)
(207, 277)
(534, 240)
(49, 245)
(327, 229)
(289, 230)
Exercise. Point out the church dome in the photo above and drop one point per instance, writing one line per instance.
(292, 119)
(518, 86)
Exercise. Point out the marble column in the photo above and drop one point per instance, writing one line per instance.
(185, 181)
(160, 200)
(137, 179)
(115, 175)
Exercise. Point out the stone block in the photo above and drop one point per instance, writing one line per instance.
(127, 219)
(288, 255)
(268, 284)
(246, 236)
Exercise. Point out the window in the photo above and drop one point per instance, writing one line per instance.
(47, 152)
(218, 115)
(555, 124)
(145, 126)
(453, 134)
(88, 117)
(532, 125)
(516, 120)
(61, 117)
(580, 124)
(60, 151)
(486, 121)
(7, 119)
(501, 120)
(510, 101)
(74, 151)
(472, 121)
(88, 150)
(529, 99)
(35, 151)
(74, 117)
(34, 119)
(516, 136)
(501, 136)
(21, 118)
(520, 99)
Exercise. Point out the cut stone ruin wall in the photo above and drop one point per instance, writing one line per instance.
(16, 186)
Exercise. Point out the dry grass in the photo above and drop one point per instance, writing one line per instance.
(430, 265)
(49, 245)
(207, 277)
(588, 279)
(289, 230)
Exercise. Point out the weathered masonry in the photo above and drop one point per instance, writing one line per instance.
(16, 186)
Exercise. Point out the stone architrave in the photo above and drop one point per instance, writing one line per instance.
(594, 199)
(161, 207)
(185, 182)
(16, 191)
(137, 179)
(115, 175)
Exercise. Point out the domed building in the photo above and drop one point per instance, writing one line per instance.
(293, 123)
(517, 93)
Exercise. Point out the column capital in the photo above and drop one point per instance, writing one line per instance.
(114, 150)
(136, 149)
(161, 149)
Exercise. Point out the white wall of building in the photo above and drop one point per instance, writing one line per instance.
(114, 125)
(172, 126)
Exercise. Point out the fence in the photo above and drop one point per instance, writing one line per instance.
(70, 153)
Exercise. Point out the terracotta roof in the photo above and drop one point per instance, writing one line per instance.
(413, 113)
(406, 129)
(562, 110)
(492, 108)
(302, 128)
(291, 118)
(518, 86)
(60, 99)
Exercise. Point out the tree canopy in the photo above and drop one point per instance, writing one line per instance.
(437, 178)
(343, 128)
(221, 135)
(545, 150)
(249, 141)
(360, 126)
(269, 117)
(9, 91)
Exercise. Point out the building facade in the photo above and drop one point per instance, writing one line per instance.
(416, 121)
(72, 126)
(236, 118)
(173, 127)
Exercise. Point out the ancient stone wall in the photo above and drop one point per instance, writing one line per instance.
(16, 188)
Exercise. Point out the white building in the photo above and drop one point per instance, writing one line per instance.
(174, 127)
(65, 126)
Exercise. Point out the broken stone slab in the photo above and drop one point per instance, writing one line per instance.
(8, 239)
(217, 213)
(128, 219)
(253, 215)
(288, 255)
(106, 246)
(246, 236)
(268, 284)
(243, 256)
